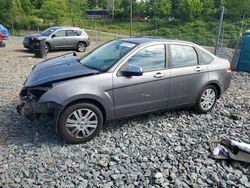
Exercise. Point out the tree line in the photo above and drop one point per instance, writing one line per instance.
(29, 14)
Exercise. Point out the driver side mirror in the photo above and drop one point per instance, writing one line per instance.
(53, 36)
(132, 71)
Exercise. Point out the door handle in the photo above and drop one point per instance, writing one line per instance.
(158, 75)
(199, 69)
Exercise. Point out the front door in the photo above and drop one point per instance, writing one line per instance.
(138, 94)
(188, 77)
(58, 40)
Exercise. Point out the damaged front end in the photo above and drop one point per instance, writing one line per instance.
(34, 96)
(31, 108)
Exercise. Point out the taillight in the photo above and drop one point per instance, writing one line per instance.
(229, 68)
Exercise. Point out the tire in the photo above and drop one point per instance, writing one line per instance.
(81, 47)
(2, 44)
(76, 131)
(206, 100)
(47, 47)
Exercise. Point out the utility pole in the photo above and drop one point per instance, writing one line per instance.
(113, 9)
(131, 17)
(219, 31)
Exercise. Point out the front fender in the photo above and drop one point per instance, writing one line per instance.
(108, 106)
(97, 88)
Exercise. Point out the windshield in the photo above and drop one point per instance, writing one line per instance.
(107, 55)
(48, 31)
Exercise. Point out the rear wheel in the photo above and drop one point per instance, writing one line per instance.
(81, 122)
(206, 99)
(81, 47)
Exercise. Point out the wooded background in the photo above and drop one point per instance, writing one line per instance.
(169, 18)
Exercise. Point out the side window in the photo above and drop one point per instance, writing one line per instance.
(60, 33)
(183, 55)
(204, 57)
(70, 33)
(150, 58)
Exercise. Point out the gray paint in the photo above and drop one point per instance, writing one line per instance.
(55, 43)
(126, 96)
(55, 69)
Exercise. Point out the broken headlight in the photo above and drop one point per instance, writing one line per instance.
(36, 92)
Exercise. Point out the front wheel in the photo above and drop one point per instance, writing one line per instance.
(79, 123)
(206, 100)
(47, 48)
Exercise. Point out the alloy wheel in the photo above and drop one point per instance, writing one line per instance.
(208, 99)
(81, 123)
(81, 47)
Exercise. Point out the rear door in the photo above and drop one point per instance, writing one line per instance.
(138, 94)
(188, 76)
(72, 39)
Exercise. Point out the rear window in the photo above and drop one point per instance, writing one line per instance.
(204, 57)
(183, 55)
(70, 33)
(78, 32)
(73, 33)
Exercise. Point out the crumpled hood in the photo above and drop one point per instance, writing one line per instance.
(36, 36)
(56, 69)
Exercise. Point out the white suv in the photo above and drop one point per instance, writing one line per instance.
(58, 38)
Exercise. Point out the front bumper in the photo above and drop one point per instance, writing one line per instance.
(27, 43)
(32, 109)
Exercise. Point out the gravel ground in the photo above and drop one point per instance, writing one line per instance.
(159, 150)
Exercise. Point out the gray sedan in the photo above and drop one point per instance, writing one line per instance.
(58, 38)
(123, 78)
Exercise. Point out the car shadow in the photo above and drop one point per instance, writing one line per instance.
(24, 51)
(16, 130)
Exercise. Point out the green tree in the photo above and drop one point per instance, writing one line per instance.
(76, 10)
(54, 11)
(236, 8)
(189, 9)
(5, 6)
(99, 4)
(209, 8)
(158, 8)
(17, 17)
(37, 3)
(27, 7)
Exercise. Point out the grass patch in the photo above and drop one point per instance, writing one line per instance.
(202, 32)
(199, 31)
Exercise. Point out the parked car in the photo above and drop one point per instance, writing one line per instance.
(123, 78)
(1, 40)
(58, 38)
(4, 32)
(1, 36)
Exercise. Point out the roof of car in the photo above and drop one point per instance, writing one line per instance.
(149, 39)
(64, 27)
